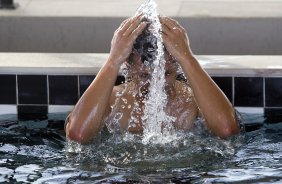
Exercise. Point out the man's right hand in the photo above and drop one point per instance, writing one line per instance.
(124, 37)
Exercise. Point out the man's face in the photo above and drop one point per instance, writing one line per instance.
(142, 74)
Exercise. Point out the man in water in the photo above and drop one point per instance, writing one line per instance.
(103, 99)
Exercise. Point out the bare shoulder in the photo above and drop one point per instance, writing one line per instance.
(185, 92)
(183, 89)
(187, 107)
(117, 91)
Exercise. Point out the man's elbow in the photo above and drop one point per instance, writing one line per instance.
(230, 128)
(79, 138)
(76, 135)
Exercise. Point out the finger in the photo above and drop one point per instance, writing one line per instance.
(166, 43)
(161, 18)
(129, 22)
(125, 26)
(165, 29)
(175, 23)
(164, 36)
(171, 32)
(118, 30)
(133, 26)
(165, 39)
(138, 30)
(123, 22)
(168, 23)
(172, 21)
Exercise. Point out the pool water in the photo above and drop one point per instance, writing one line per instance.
(37, 152)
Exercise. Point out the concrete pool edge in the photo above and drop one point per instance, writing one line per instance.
(89, 64)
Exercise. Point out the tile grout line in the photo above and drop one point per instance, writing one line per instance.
(33, 105)
(273, 108)
(233, 90)
(263, 86)
(78, 86)
(48, 93)
(17, 94)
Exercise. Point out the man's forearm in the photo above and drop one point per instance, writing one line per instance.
(216, 108)
(86, 119)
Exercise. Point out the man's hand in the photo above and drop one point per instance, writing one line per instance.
(124, 37)
(175, 39)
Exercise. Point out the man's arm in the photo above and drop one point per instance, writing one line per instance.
(217, 110)
(86, 119)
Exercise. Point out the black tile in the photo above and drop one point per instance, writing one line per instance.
(32, 89)
(63, 90)
(56, 124)
(225, 84)
(248, 91)
(84, 82)
(273, 115)
(120, 80)
(30, 112)
(252, 127)
(273, 92)
(8, 89)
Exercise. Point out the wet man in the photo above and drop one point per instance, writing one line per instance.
(201, 98)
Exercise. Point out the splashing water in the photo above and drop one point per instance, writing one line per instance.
(158, 126)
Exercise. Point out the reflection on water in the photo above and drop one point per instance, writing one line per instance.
(37, 152)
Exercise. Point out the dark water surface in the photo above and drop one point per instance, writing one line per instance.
(37, 152)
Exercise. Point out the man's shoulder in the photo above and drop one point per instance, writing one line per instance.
(119, 87)
(183, 88)
(115, 92)
(118, 90)
(181, 83)
(121, 92)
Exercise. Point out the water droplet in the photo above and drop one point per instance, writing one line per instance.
(118, 116)
(118, 94)
(124, 100)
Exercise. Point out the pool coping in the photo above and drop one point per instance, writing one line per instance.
(90, 64)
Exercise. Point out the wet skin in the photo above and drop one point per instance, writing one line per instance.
(91, 111)
(135, 92)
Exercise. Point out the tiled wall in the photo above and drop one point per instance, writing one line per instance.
(36, 95)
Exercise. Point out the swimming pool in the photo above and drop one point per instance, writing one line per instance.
(37, 152)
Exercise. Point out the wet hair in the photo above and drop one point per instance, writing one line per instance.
(146, 46)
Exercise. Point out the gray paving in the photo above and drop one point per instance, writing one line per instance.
(125, 8)
(216, 27)
(90, 64)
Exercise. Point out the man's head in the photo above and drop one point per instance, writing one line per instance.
(143, 55)
(146, 47)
